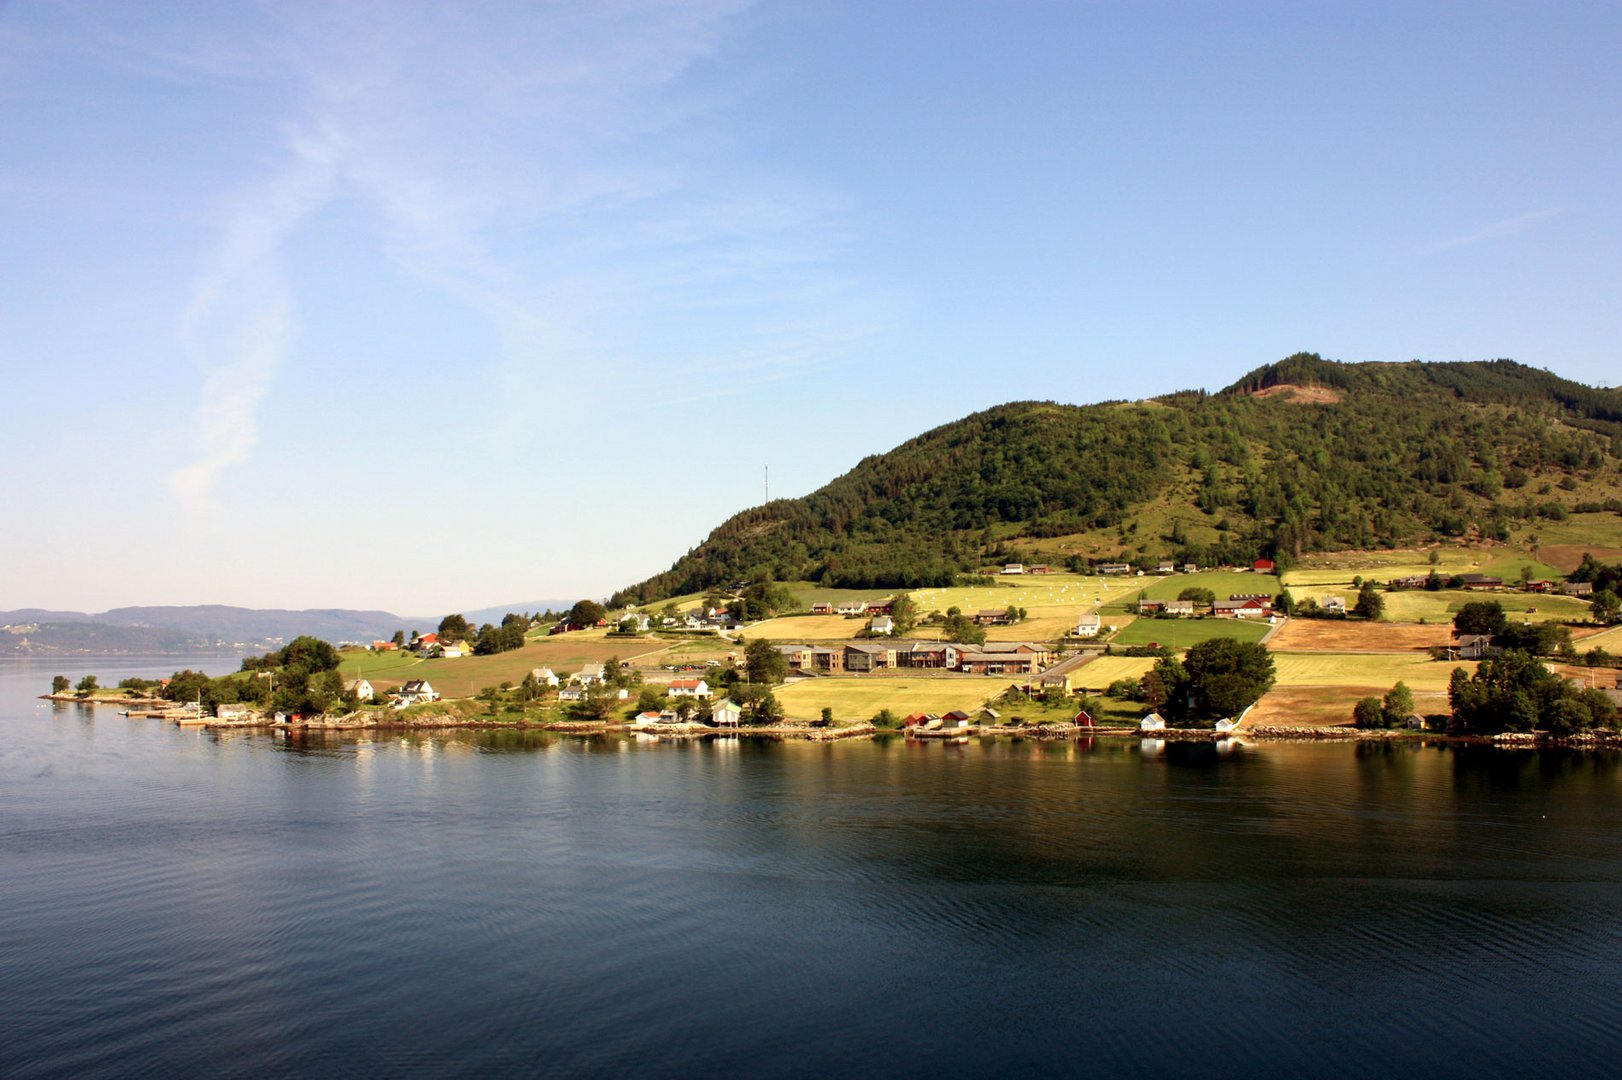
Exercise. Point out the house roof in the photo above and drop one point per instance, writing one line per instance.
(686, 684)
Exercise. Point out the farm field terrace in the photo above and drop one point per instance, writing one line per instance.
(467, 675)
(1418, 605)
(859, 697)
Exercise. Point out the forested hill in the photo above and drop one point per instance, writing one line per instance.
(1298, 456)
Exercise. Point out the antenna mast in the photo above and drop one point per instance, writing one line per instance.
(768, 481)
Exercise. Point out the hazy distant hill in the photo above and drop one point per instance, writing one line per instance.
(1302, 455)
(206, 627)
(34, 631)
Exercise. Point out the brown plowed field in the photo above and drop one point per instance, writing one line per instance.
(1327, 635)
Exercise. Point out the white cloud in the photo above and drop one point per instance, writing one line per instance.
(1499, 229)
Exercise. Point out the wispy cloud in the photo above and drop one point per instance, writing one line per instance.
(1499, 229)
(537, 165)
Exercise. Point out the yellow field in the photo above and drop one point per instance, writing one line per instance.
(1106, 669)
(801, 628)
(1361, 670)
(861, 697)
(1067, 591)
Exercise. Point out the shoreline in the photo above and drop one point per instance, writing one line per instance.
(1271, 733)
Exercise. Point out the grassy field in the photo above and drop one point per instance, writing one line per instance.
(1609, 640)
(1184, 633)
(1067, 591)
(1365, 672)
(463, 677)
(861, 697)
(1417, 605)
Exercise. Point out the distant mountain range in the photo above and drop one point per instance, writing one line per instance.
(208, 628)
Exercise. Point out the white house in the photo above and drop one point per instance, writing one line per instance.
(545, 676)
(1014, 568)
(1333, 604)
(591, 673)
(1152, 722)
(726, 713)
(415, 692)
(360, 688)
(453, 652)
(881, 624)
(852, 607)
(693, 688)
(572, 693)
(1088, 626)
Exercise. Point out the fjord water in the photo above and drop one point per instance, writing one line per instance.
(180, 902)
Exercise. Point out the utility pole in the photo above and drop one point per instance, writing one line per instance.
(768, 482)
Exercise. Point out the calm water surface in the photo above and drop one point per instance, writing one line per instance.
(178, 902)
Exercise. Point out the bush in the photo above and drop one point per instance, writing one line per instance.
(1367, 713)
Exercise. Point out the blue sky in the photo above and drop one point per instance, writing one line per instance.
(427, 307)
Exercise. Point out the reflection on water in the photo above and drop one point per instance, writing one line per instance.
(488, 901)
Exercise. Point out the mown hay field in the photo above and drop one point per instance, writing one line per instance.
(1326, 706)
(1222, 583)
(859, 697)
(1365, 670)
(1026, 591)
(1097, 675)
(1352, 635)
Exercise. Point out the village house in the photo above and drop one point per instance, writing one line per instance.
(415, 692)
(883, 624)
(1190, 568)
(798, 656)
(1263, 566)
(1481, 581)
(1578, 588)
(453, 651)
(957, 718)
(545, 676)
(1088, 626)
(1178, 607)
(239, 711)
(1039, 568)
(1004, 658)
(590, 673)
(852, 607)
(1113, 568)
(822, 608)
(869, 656)
(879, 607)
(1332, 605)
(726, 713)
(827, 658)
(1416, 581)
(991, 617)
(385, 646)
(693, 688)
(929, 655)
(1014, 568)
(572, 693)
(360, 688)
(1149, 607)
(1540, 586)
(1152, 722)
(1166, 568)
(1242, 609)
(1473, 647)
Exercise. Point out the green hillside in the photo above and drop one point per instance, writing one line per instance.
(1299, 456)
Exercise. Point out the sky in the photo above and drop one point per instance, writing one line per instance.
(432, 307)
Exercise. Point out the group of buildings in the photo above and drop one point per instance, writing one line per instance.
(991, 658)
